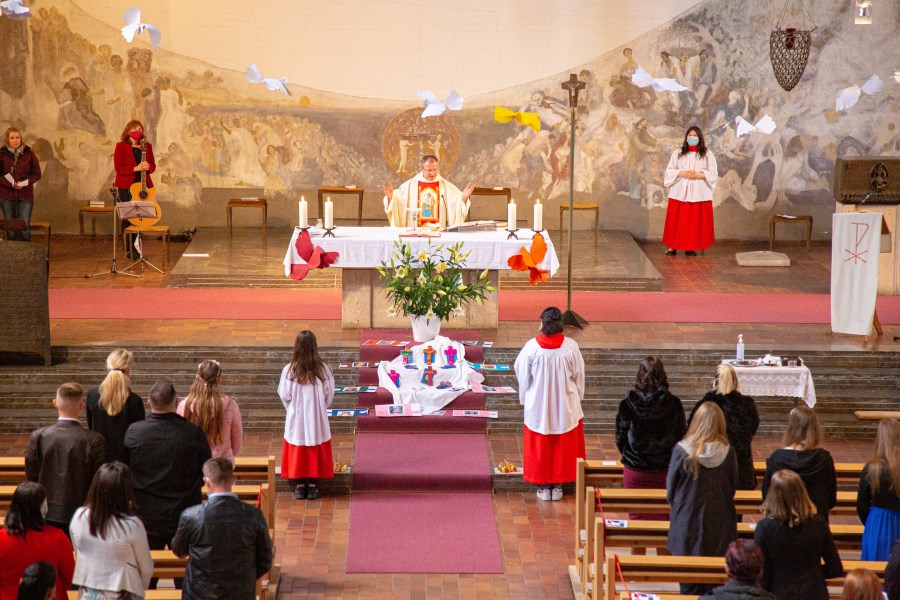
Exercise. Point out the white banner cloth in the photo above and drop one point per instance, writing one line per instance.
(367, 247)
(855, 245)
(411, 387)
(796, 382)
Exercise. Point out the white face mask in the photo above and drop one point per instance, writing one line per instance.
(44, 509)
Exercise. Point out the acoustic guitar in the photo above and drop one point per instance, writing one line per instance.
(140, 191)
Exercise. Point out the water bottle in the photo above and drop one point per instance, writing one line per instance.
(740, 347)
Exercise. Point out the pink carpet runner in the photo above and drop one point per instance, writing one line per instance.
(317, 304)
(421, 500)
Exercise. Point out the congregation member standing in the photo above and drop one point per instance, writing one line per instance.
(700, 489)
(878, 497)
(741, 420)
(802, 455)
(550, 371)
(649, 423)
(63, 457)
(226, 540)
(691, 177)
(796, 541)
(166, 456)
(306, 389)
(113, 407)
(25, 539)
(19, 171)
(110, 541)
(214, 412)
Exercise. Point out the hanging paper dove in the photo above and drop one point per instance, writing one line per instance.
(847, 97)
(897, 76)
(254, 76)
(14, 9)
(765, 125)
(133, 26)
(642, 78)
(434, 107)
(528, 119)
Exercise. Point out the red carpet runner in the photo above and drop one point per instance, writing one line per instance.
(421, 500)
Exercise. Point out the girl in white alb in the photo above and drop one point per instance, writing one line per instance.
(691, 176)
(306, 390)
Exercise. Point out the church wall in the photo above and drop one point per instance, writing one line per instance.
(70, 83)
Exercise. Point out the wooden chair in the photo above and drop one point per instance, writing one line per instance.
(807, 219)
(133, 230)
(494, 192)
(92, 212)
(259, 203)
(594, 206)
(337, 190)
(43, 227)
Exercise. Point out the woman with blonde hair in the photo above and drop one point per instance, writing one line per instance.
(862, 584)
(19, 171)
(700, 488)
(795, 541)
(878, 497)
(217, 415)
(802, 455)
(741, 420)
(113, 407)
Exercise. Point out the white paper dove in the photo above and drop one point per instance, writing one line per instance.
(133, 26)
(897, 76)
(765, 125)
(642, 78)
(434, 107)
(254, 76)
(847, 97)
(14, 9)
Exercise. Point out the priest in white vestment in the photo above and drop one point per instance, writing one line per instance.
(439, 201)
(550, 370)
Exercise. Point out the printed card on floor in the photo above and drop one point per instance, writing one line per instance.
(347, 412)
(385, 342)
(608, 463)
(484, 414)
(617, 523)
(489, 367)
(477, 343)
(358, 365)
(490, 389)
(355, 389)
(437, 413)
(398, 410)
(643, 596)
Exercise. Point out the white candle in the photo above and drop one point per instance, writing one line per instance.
(329, 214)
(304, 213)
(538, 216)
(511, 216)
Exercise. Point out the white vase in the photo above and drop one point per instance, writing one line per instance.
(425, 329)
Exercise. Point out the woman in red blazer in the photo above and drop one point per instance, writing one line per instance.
(127, 160)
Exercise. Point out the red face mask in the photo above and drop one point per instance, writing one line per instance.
(136, 135)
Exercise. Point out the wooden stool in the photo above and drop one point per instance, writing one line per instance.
(790, 219)
(92, 212)
(594, 206)
(247, 203)
(133, 230)
(337, 190)
(44, 227)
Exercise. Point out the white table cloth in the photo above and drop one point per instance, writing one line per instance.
(796, 382)
(367, 247)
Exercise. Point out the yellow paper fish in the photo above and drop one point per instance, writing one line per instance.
(528, 119)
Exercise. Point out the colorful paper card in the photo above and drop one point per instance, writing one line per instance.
(477, 343)
(385, 342)
(348, 412)
(617, 523)
(398, 410)
(488, 389)
(358, 365)
(484, 414)
(355, 389)
(489, 367)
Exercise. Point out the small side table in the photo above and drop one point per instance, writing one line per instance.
(247, 203)
(790, 219)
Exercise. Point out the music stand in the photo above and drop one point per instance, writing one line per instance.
(113, 270)
(138, 209)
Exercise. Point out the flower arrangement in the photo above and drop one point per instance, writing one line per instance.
(430, 283)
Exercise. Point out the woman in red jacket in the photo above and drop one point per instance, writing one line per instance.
(127, 160)
(20, 170)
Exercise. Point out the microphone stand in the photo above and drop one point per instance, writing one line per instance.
(572, 85)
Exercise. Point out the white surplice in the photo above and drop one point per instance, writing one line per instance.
(691, 190)
(306, 422)
(453, 210)
(551, 386)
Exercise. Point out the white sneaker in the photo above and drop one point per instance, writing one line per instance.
(556, 494)
(544, 494)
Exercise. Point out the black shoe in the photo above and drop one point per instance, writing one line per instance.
(690, 253)
(671, 252)
(312, 492)
(300, 492)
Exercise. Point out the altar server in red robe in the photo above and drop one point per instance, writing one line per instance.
(550, 370)
(306, 390)
(691, 178)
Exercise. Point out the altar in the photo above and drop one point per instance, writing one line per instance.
(362, 249)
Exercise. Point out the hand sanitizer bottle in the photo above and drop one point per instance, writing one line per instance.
(740, 347)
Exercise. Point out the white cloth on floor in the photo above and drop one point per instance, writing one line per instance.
(411, 387)
(855, 244)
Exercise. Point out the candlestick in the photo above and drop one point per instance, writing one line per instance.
(303, 208)
(329, 213)
(511, 216)
(538, 216)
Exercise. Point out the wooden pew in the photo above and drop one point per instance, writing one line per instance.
(700, 569)
(12, 469)
(876, 415)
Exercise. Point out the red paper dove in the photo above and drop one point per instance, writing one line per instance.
(315, 257)
(528, 260)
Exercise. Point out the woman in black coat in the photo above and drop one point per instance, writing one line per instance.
(795, 541)
(742, 420)
(649, 423)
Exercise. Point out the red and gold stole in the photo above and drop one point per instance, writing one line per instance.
(429, 202)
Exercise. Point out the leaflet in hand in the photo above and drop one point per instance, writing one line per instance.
(398, 410)
(10, 179)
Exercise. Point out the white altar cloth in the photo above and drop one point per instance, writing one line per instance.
(796, 382)
(367, 247)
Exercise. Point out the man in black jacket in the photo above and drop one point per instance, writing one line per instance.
(166, 455)
(226, 538)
